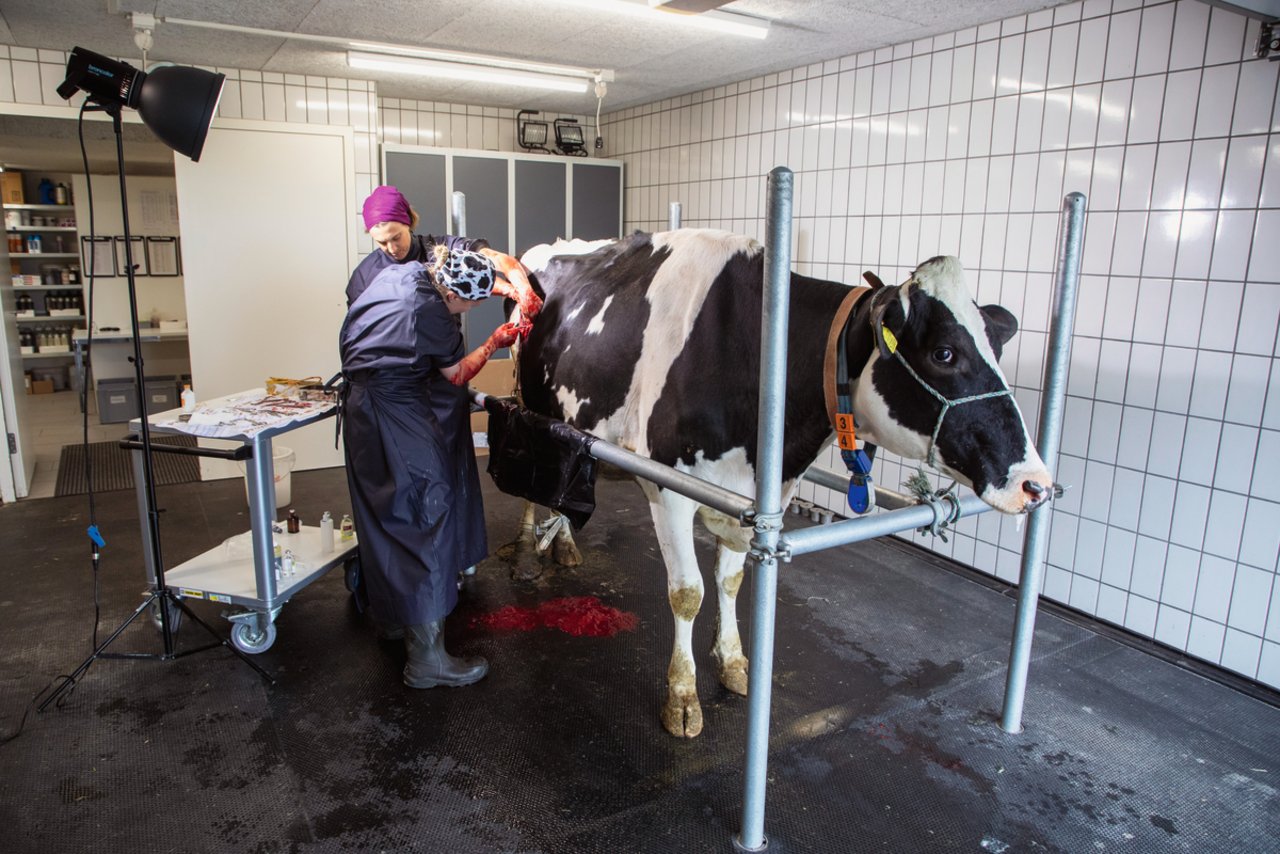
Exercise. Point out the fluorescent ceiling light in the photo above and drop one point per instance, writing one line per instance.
(461, 71)
(605, 74)
(728, 23)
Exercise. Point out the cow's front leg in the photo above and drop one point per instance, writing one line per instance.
(673, 524)
(728, 645)
(564, 550)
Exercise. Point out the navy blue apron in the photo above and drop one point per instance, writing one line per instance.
(411, 468)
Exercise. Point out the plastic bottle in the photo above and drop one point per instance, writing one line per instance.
(61, 195)
(34, 244)
(348, 528)
(188, 398)
(294, 524)
(326, 533)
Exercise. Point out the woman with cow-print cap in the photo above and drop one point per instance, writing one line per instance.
(411, 469)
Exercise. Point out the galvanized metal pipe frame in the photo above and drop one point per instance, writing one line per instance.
(673, 216)
(768, 522)
(903, 512)
(1036, 544)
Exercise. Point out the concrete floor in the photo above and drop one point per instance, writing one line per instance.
(888, 681)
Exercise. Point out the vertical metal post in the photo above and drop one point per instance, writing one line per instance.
(1036, 544)
(458, 228)
(260, 473)
(673, 218)
(458, 214)
(768, 520)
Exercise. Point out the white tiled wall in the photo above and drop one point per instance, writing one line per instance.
(30, 76)
(965, 144)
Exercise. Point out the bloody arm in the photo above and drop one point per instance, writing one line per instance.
(461, 372)
(514, 283)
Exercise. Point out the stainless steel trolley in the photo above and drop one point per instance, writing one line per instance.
(223, 573)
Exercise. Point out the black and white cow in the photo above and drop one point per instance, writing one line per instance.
(652, 343)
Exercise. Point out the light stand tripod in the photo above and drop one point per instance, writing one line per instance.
(160, 597)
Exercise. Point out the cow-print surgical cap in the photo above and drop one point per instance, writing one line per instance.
(467, 274)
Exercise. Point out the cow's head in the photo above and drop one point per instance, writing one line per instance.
(934, 343)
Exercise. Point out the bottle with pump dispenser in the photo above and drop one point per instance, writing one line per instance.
(326, 533)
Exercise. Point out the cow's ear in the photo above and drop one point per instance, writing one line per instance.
(887, 320)
(873, 280)
(1001, 326)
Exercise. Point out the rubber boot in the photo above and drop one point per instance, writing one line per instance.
(430, 664)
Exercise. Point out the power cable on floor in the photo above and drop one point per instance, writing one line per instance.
(95, 538)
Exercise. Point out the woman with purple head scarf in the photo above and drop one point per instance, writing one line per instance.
(411, 469)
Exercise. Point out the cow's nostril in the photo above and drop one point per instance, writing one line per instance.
(1035, 489)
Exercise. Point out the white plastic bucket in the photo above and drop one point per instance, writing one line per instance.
(282, 461)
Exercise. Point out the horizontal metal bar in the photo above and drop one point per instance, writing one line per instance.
(886, 499)
(716, 497)
(842, 533)
(243, 452)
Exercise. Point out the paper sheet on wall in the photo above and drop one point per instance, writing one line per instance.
(159, 210)
(241, 415)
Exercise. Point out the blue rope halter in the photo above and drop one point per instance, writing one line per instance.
(946, 402)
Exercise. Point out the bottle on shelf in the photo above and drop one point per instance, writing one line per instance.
(34, 244)
(326, 533)
(61, 194)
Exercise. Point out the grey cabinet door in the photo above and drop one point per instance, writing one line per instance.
(421, 177)
(540, 203)
(484, 181)
(597, 201)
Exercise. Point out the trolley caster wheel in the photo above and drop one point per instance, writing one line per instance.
(173, 611)
(249, 640)
(351, 573)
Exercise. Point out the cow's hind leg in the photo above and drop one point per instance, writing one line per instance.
(522, 552)
(728, 645)
(673, 524)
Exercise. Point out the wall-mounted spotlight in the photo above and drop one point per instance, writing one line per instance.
(532, 135)
(570, 138)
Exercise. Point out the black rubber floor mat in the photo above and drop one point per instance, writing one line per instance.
(112, 468)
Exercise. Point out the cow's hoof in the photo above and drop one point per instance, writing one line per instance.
(733, 675)
(682, 717)
(565, 553)
(526, 567)
(522, 558)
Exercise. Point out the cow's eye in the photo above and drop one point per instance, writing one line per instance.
(944, 355)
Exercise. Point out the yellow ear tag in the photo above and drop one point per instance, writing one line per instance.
(890, 340)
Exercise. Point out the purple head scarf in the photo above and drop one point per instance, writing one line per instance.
(386, 204)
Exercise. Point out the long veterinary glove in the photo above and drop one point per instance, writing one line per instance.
(518, 277)
(504, 336)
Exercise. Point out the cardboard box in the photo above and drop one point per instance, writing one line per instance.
(497, 377)
(42, 386)
(11, 188)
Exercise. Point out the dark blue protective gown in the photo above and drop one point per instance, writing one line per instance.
(411, 467)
